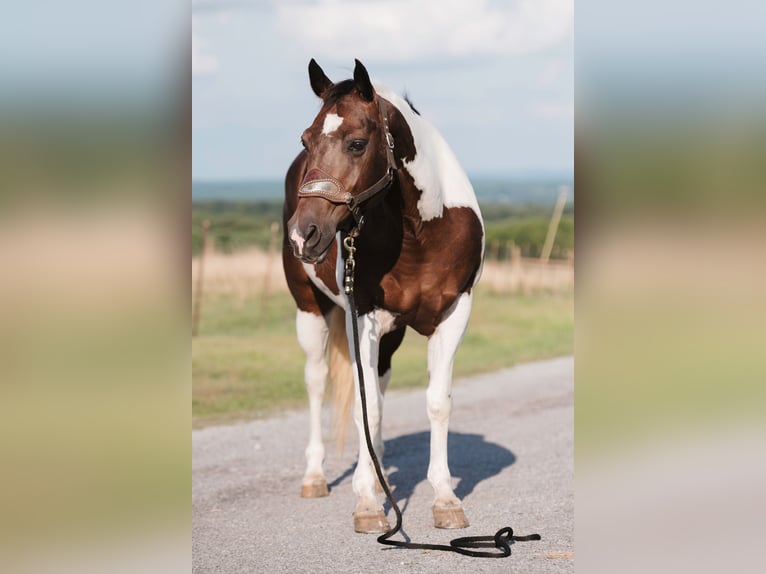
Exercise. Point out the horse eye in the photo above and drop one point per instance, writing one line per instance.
(303, 143)
(357, 146)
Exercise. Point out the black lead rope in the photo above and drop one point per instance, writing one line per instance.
(501, 540)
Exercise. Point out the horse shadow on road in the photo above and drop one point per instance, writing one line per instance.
(471, 459)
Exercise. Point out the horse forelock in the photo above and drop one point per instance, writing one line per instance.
(337, 91)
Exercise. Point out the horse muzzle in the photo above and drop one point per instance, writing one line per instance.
(310, 241)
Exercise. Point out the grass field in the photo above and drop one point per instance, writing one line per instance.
(246, 361)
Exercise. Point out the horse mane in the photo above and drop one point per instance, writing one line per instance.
(409, 102)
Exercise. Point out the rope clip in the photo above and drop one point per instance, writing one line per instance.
(348, 274)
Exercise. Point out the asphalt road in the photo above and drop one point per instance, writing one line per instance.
(511, 456)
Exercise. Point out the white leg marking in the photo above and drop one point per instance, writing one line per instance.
(369, 338)
(312, 336)
(442, 346)
(298, 240)
(371, 328)
(331, 123)
(377, 440)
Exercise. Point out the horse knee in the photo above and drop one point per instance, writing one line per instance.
(373, 416)
(439, 407)
(312, 332)
(315, 376)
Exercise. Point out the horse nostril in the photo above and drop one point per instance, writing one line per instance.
(312, 234)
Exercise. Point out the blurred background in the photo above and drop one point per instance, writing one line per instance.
(95, 152)
(95, 189)
(669, 401)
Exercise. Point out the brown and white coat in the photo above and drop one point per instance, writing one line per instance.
(419, 255)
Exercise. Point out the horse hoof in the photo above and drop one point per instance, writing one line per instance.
(315, 489)
(449, 517)
(370, 522)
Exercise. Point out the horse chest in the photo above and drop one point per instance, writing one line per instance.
(417, 295)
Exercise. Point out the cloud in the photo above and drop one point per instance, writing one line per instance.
(552, 72)
(412, 30)
(552, 111)
(203, 12)
(216, 6)
(202, 63)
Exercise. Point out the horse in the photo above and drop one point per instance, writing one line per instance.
(373, 167)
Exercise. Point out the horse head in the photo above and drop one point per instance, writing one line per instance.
(348, 162)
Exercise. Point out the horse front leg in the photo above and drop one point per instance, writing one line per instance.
(442, 346)
(389, 343)
(369, 516)
(313, 336)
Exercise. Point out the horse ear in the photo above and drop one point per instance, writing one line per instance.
(319, 81)
(362, 81)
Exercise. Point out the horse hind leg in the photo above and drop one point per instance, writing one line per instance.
(313, 336)
(442, 346)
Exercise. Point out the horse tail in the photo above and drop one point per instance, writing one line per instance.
(341, 375)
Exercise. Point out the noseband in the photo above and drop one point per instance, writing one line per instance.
(319, 184)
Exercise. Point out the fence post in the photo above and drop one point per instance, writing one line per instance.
(197, 309)
(516, 269)
(495, 250)
(266, 291)
(554, 224)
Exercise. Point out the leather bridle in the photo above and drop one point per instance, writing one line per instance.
(332, 190)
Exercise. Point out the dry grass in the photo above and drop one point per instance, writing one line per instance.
(527, 276)
(242, 274)
(251, 272)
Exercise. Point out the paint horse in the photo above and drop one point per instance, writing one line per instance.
(372, 164)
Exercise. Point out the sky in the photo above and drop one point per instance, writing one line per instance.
(495, 77)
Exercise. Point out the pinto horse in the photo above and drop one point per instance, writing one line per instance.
(373, 166)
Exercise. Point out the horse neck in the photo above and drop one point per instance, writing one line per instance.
(409, 196)
(404, 189)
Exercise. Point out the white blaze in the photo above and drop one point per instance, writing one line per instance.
(331, 123)
(298, 240)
